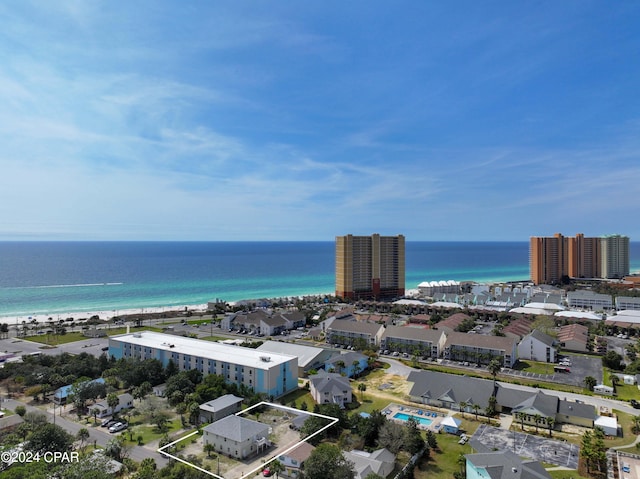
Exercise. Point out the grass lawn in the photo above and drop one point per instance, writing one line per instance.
(566, 475)
(150, 432)
(299, 396)
(624, 392)
(444, 461)
(534, 367)
(57, 339)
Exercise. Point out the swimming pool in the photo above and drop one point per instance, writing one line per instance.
(405, 417)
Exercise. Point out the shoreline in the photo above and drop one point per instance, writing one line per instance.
(104, 315)
(107, 314)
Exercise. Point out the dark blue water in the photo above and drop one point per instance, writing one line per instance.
(57, 277)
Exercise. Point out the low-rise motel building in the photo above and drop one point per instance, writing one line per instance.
(264, 372)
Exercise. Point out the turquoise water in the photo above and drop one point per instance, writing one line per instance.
(405, 417)
(48, 278)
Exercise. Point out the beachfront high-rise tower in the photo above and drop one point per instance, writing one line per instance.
(552, 258)
(369, 267)
(615, 256)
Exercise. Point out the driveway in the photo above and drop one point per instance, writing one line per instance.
(396, 368)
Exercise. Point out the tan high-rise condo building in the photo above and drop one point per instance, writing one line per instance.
(615, 256)
(370, 266)
(553, 258)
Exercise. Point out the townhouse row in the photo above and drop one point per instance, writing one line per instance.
(442, 344)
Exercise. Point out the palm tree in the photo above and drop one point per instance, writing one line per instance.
(537, 418)
(356, 368)
(615, 380)
(462, 405)
(494, 368)
(475, 408)
(362, 387)
(521, 416)
(550, 424)
(340, 366)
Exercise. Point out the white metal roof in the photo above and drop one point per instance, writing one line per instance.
(204, 349)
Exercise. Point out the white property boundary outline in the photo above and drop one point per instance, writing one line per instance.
(332, 421)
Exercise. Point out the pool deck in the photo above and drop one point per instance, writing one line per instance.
(434, 416)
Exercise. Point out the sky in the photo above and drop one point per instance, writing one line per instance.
(289, 120)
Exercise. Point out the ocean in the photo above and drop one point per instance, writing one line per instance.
(48, 278)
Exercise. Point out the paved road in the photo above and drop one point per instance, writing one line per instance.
(96, 434)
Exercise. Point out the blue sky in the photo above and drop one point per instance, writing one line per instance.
(298, 120)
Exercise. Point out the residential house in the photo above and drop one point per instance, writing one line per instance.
(219, 408)
(294, 459)
(330, 388)
(537, 346)
(354, 333)
(237, 437)
(102, 409)
(380, 462)
(348, 364)
(503, 465)
(61, 395)
(159, 390)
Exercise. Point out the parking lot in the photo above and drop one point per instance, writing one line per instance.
(539, 448)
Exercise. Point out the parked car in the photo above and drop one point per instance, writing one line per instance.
(107, 423)
(117, 427)
(635, 404)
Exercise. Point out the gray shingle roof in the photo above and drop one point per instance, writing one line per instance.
(221, 403)
(329, 381)
(237, 428)
(507, 465)
(451, 388)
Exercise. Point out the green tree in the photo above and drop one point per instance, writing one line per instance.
(494, 368)
(82, 435)
(362, 387)
(413, 438)
(537, 418)
(476, 408)
(209, 448)
(462, 405)
(276, 467)
(327, 462)
(590, 382)
(550, 423)
(391, 436)
(113, 401)
(49, 437)
(20, 410)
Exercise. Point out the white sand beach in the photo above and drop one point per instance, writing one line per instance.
(103, 315)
